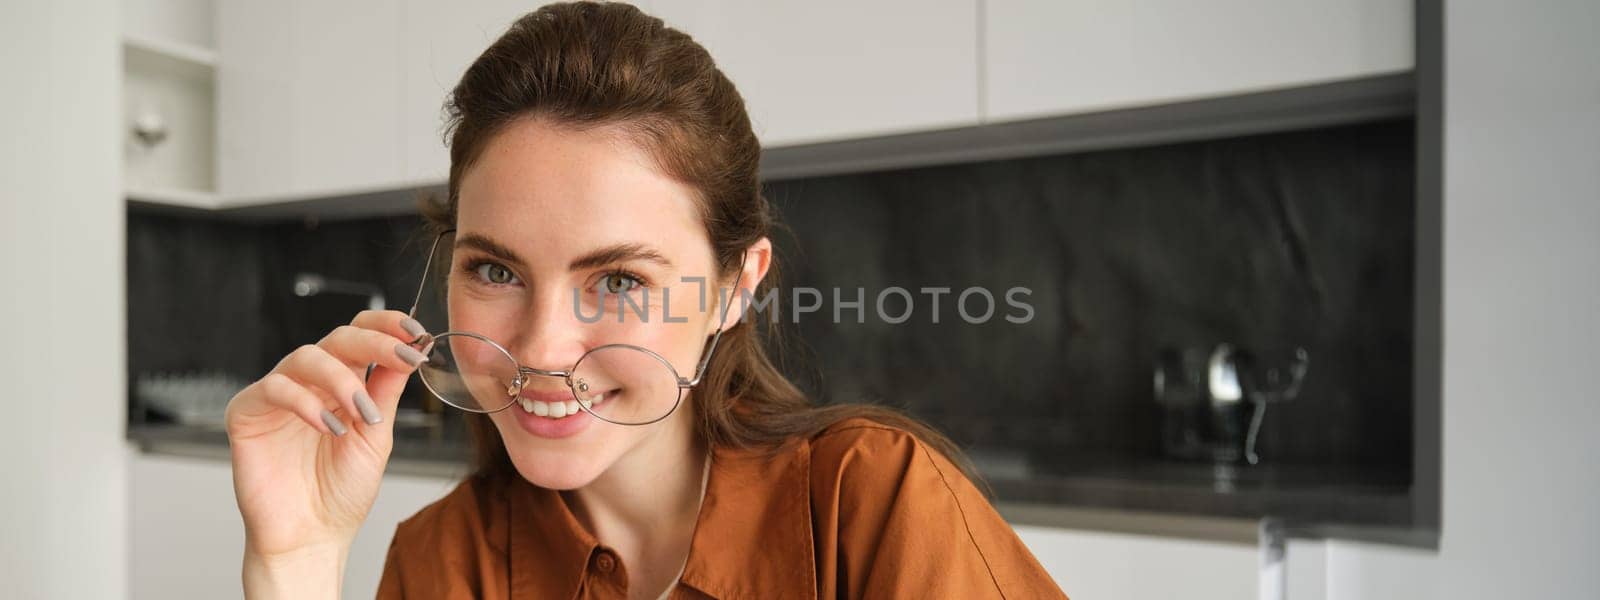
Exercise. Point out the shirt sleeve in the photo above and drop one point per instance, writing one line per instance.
(899, 520)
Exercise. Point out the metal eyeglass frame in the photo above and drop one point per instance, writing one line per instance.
(524, 372)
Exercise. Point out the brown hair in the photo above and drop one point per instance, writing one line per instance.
(588, 65)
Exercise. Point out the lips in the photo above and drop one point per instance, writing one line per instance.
(548, 427)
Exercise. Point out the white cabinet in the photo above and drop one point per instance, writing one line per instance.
(1054, 57)
(829, 70)
(188, 539)
(308, 101)
(329, 99)
(254, 92)
(168, 93)
(188, 23)
(346, 109)
(440, 40)
(1094, 564)
(808, 71)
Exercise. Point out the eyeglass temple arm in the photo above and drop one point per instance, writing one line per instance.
(705, 358)
(417, 300)
(426, 268)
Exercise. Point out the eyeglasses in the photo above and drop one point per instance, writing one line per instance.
(618, 383)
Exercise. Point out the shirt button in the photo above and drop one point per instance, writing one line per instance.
(605, 562)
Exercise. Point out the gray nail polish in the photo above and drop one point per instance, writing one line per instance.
(332, 422)
(369, 411)
(413, 327)
(409, 354)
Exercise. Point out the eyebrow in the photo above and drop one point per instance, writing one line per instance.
(487, 246)
(614, 253)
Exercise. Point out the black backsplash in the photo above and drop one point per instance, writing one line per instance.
(207, 295)
(1265, 242)
(196, 295)
(1269, 241)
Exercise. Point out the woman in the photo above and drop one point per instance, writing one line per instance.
(601, 167)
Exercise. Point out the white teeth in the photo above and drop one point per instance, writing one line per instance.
(557, 410)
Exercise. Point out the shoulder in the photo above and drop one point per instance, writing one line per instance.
(857, 426)
(861, 443)
(899, 518)
(867, 460)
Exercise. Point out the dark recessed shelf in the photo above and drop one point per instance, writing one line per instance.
(1306, 495)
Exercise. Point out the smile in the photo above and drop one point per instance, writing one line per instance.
(559, 410)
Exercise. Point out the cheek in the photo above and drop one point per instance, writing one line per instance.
(680, 343)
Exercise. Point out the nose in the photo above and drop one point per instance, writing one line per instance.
(549, 336)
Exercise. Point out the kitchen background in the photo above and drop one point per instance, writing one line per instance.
(1412, 210)
(1268, 242)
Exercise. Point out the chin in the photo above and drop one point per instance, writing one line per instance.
(554, 475)
(552, 464)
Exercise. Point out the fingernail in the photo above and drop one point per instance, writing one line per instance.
(409, 354)
(369, 411)
(413, 327)
(332, 422)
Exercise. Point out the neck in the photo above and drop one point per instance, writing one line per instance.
(651, 496)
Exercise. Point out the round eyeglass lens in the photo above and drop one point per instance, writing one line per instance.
(625, 384)
(470, 373)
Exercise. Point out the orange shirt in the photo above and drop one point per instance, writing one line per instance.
(861, 510)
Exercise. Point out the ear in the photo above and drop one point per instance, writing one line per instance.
(757, 260)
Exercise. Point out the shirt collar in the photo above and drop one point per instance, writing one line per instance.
(547, 549)
(752, 538)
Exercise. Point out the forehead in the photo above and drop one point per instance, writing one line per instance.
(557, 192)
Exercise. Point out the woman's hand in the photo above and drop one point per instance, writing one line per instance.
(310, 441)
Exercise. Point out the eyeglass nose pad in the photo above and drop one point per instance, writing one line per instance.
(580, 389)
(516, 385)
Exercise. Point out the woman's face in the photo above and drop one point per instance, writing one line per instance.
(553, 228)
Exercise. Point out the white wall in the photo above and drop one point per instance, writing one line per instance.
(63, 515)
(1521, 406)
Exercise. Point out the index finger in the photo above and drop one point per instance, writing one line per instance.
(392, 322)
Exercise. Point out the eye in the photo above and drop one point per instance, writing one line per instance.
(494, 273)
(617, 282)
